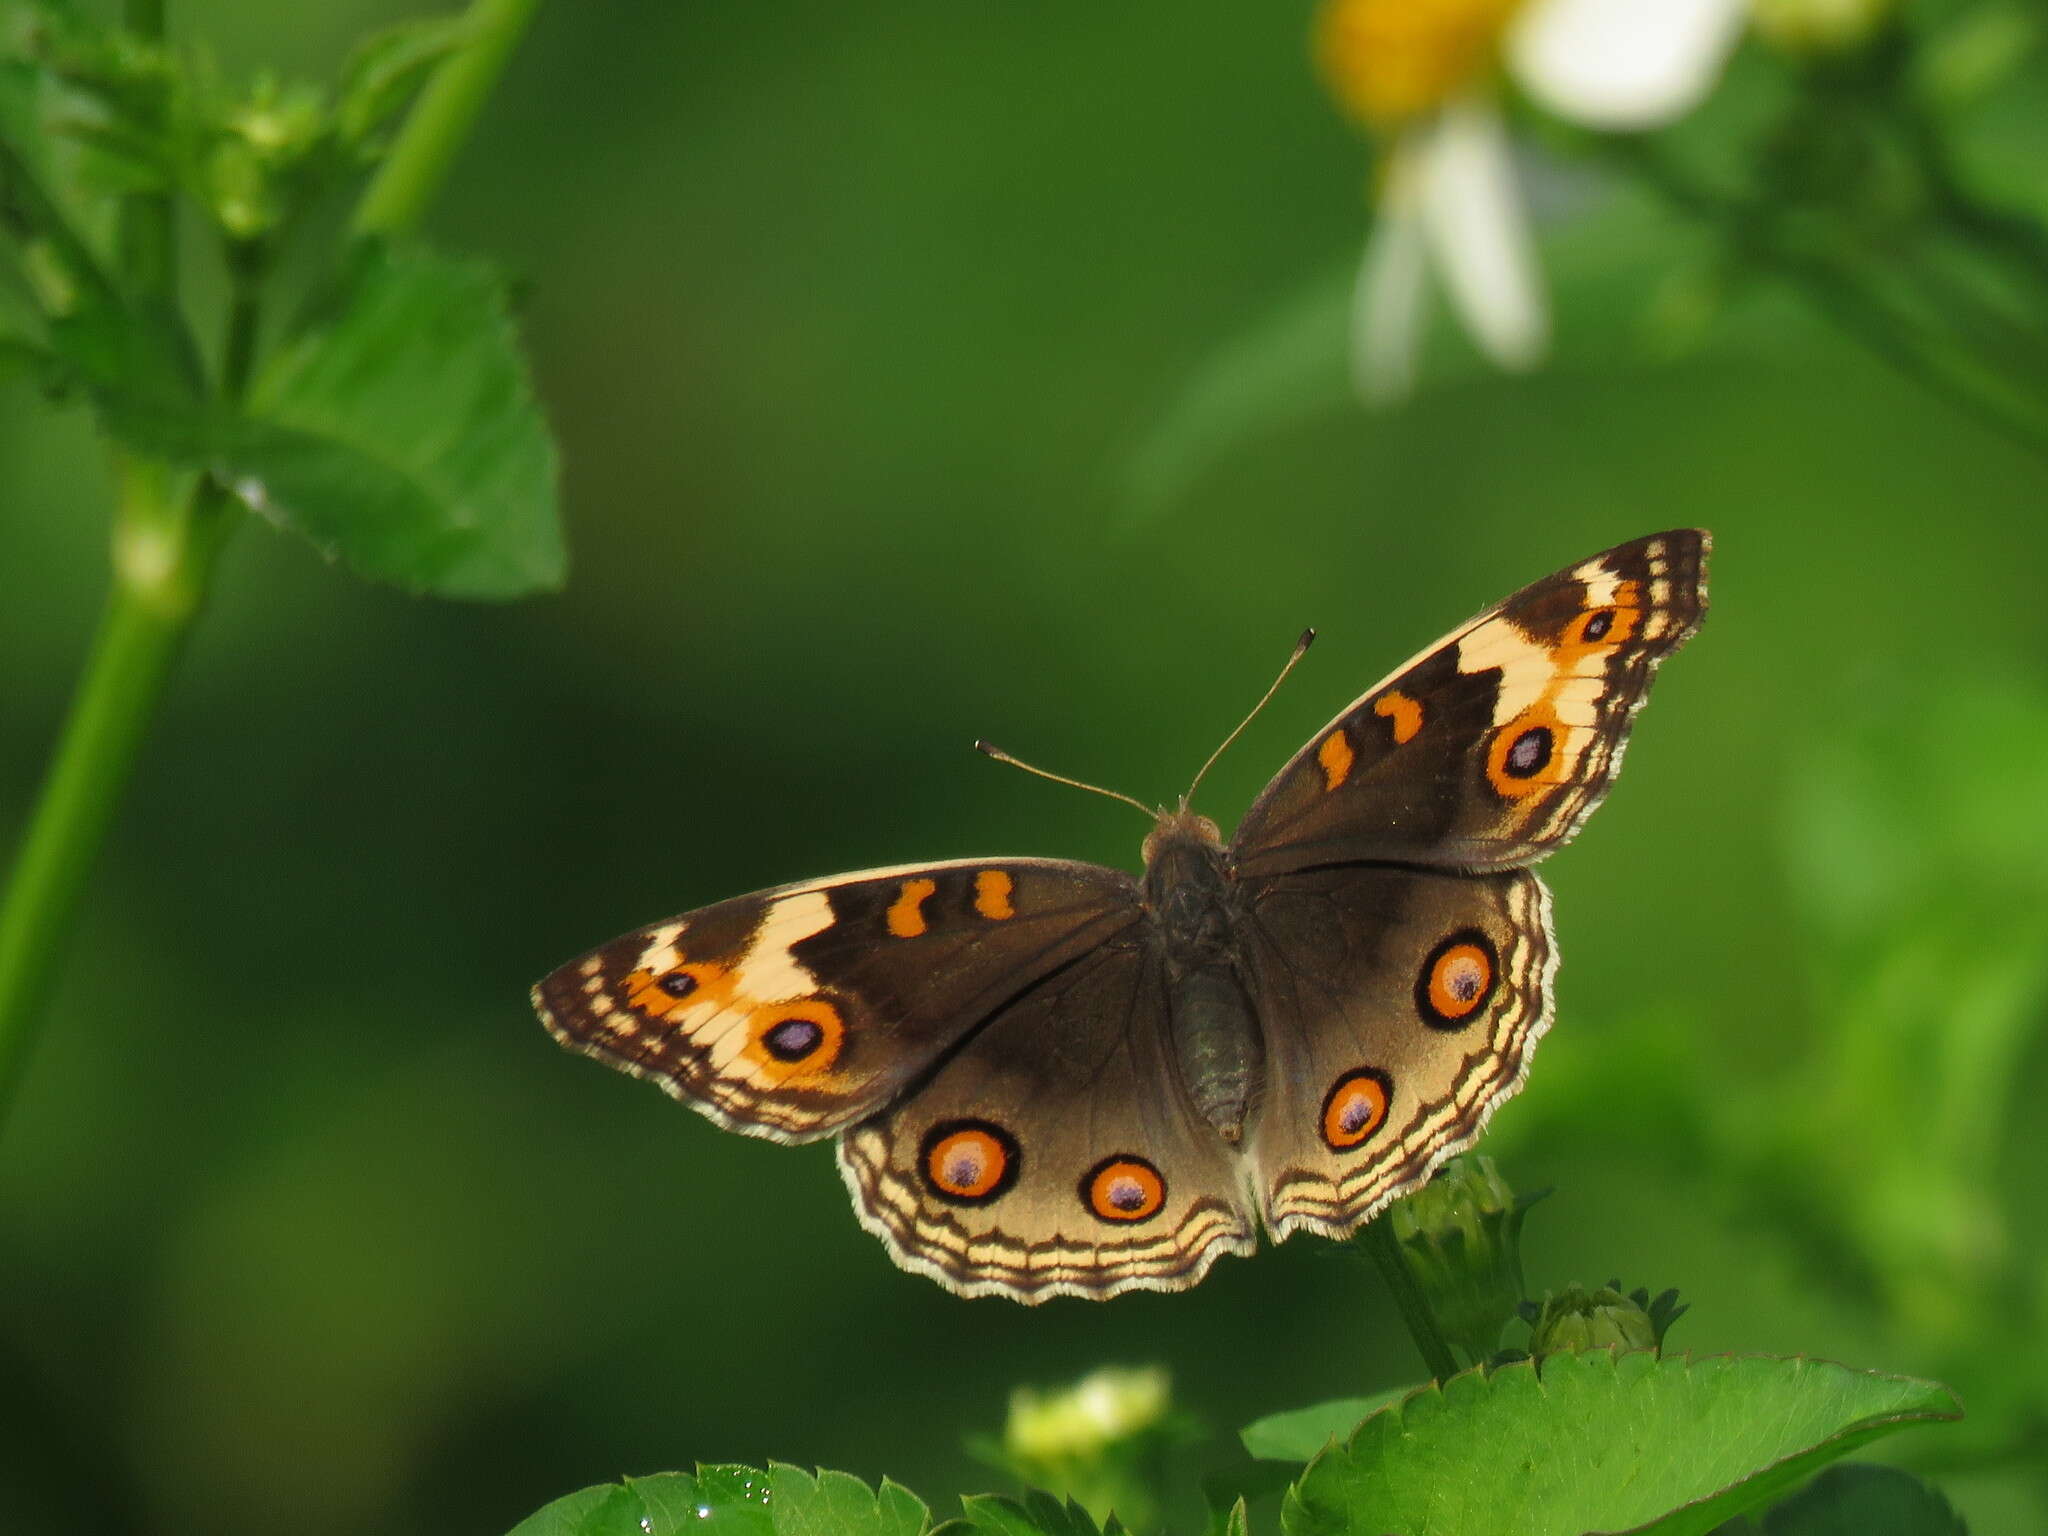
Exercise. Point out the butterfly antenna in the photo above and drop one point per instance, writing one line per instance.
(986, 750)
(1308, 638)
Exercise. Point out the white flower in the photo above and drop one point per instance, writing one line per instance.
(1422, 74)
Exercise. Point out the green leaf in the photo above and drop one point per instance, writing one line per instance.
(387, 67)
(840, 1504)
(992, 1515)
(1600, 1443)
(401, 435)
(715, 1501)
(1863, 1500)
(138, 360)
(1298, 1433)
(1039, 1514)
(609, 1509)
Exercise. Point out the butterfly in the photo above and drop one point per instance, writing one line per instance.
(1050, 1077)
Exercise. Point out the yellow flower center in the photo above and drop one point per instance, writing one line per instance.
(1390, 61)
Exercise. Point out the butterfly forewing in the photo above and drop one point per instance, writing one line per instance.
(794, 1012)
(1489, 750)
(1400, 1007)
(1059, 1154)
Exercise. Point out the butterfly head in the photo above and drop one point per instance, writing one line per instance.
(1181, 829)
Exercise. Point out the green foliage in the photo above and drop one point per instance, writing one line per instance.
(393, 424)
(1299, 1433)
(1102, 1442)
(1035, 1514)
(715, 1501)
(1600, 1441)
(400, 433)
(1606, 1440)
(837, 1504)
(1460, 1236)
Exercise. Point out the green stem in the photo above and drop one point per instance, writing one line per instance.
(165, 542)
(440, 120)
(1378, 1240)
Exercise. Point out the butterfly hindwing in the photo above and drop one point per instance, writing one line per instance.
(1400, 1006)
(1057, 1153)
(792, 1013)
(1489, 750)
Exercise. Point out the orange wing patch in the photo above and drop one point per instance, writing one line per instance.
(665, 993)
(1404, 713)
(1336, 756)
(992, 889)
(906, 914)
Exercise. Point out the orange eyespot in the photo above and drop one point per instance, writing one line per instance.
(1356, 1108)
(1124, 1189)
(1527, 755)
(658, 992)
(793, 1040)
(1457, 979)
(969, 1162)
(1602, 626)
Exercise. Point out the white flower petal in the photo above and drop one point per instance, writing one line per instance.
(1477, 229)
(1387, 305)
(1622, 64)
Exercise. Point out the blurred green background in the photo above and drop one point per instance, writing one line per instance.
(853, 321)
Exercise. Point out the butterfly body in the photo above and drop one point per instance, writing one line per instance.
(1049, 1077)
(1193, 916)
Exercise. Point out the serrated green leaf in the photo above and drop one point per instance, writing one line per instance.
(401, 435)
(840, 1504)
(1600, 1443)
(1864, 1500)
(993, 1515)
(1038, 1514)
(608, 1509)
(714, 1501)
(1298, 1433)
(722, 1500)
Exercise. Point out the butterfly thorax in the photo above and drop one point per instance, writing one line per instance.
(1191, 899)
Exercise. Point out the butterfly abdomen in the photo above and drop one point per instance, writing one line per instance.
(1190, 896)
(1216, 1042)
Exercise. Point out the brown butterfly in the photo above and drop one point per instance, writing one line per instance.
(1054, 1078)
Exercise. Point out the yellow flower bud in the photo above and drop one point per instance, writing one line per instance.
(1101, 1409)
